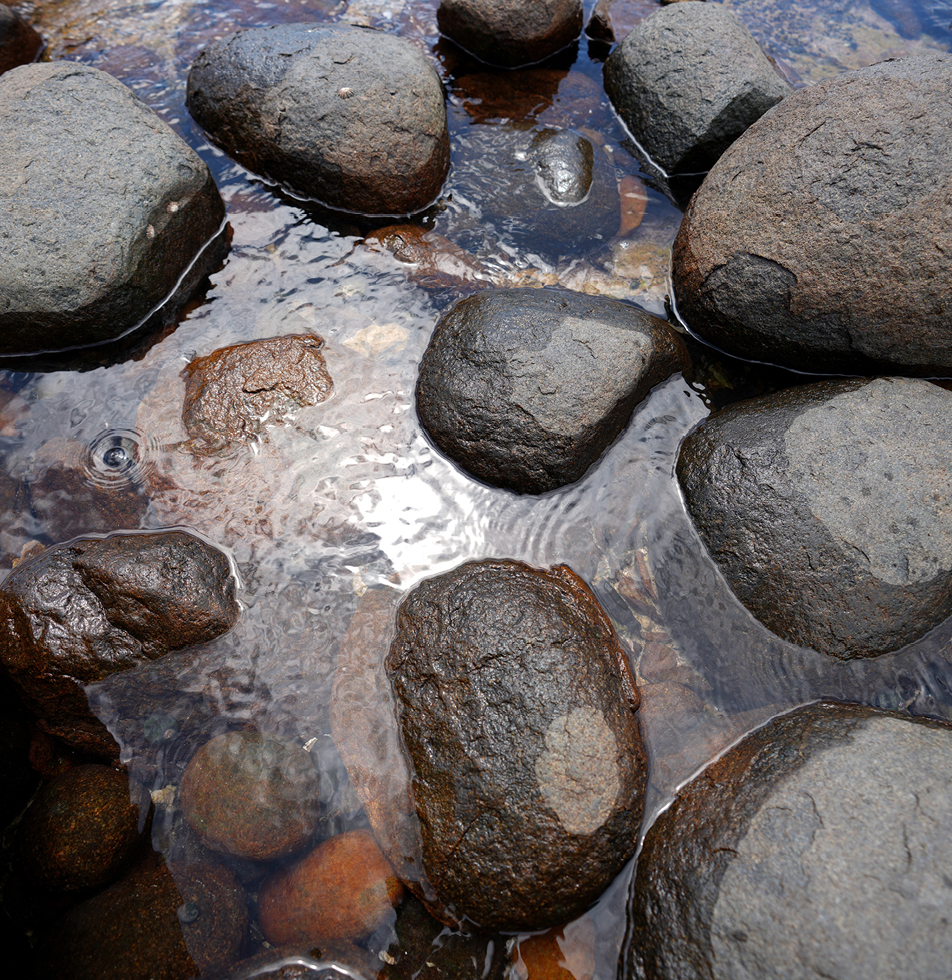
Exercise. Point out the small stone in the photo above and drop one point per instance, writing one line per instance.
(19, 43)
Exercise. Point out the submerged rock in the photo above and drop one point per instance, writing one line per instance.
(526, 388)
(827, 508)
(517, 709)
(820, 240)
(352, 118)
(19, 43)
(106, 208)
(688, 81)
(815, 847)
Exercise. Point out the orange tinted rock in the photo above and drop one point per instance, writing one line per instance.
(559, 954)
(343, 889)
(634, 200)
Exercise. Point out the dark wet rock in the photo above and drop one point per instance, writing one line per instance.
(116, 208)
(234, 392)
(820, 239)
(152, 925)
(517, 709)
(17, 776)
(816, 847)
(343, 889)
(82, 829)
(688, 81)
(511, 34)
(827, 510)
(613, 20)
(19, 43)
(526, 388)
(81, 611)
(252, 795)
(352, 118)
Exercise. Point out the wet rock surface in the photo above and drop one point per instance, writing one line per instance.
(19, 43)
(526, 388)
(814, 847)
(820, 239)
(81, 611)
(687, 81)
(513, 34)
(827, 509)
(114, 210)
(517, 709)
(354, 119)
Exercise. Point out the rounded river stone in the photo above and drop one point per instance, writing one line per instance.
(353, 118)
(816, 847)
(517, 706)
(19, 43)
(827, 508)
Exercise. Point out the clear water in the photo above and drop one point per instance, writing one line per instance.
(350, 495)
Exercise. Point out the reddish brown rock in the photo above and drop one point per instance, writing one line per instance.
(19, 43)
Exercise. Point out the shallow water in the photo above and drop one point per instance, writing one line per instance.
(350, 496)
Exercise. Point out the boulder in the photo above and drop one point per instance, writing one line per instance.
(512, 34)
(19, 43)
(526, 388)
(820, 241)
(78, 612)
(816, 847)
(687, 81)
(517, 706)
(105, 209)
(352, 118)
(827, 508)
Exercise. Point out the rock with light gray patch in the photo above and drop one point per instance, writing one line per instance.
(517, 709)
(816, 847)
(526, 388)
(827, 508)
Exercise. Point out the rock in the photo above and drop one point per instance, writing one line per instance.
(825, 246)
(343, 889)
(19, 43)
(513, 34)
(81, 611)
(115, 210)
(526, 388)
(827, 509)
(19, 778)
(251, 795)
(352, 118)
(614, 19)
(815, 847)
(687, 81)
(232, 393)
(517, 709)
(82, 829)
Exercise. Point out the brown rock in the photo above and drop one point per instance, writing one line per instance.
(19, 43)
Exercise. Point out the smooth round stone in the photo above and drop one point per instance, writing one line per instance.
(19, 43)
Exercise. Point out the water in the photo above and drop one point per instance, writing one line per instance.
(349, 496)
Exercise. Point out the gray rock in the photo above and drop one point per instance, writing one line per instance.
(820, 240)
(19, 43)
(827, 508)
(816, 847)
(103, 208)
(516, 705)
(526, 388)
(687, 81)
(511, 34)
(353, 118)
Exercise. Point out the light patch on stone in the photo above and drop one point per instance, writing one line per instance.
(577, 771)
(882, 487)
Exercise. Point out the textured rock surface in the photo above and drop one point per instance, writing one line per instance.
(102, 209)
(827, 508)
(352, 118)
(526, 388)
(821, 239)
(19, 43)
(517, 710)
(511, 34)
(816, 847)
(81, 611)
(687, 81)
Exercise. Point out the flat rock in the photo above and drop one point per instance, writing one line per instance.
(687, 81)
(820, 241)
(517, 708)
(827, 508)
(352, 118)
(102, 209)
(816, 847)
(526, 388)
